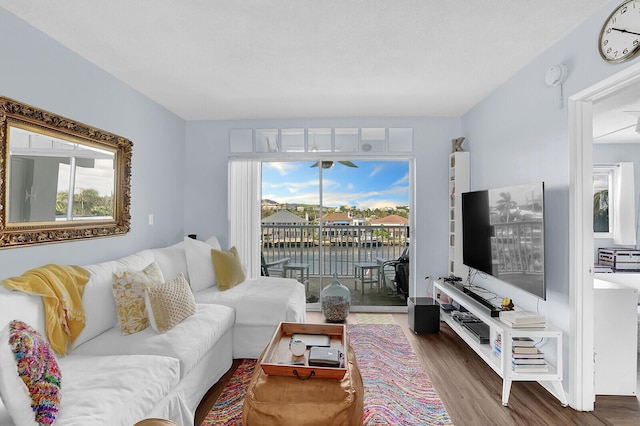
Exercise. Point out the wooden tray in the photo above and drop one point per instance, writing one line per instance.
(277, 359)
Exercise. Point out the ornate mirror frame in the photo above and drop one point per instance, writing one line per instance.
(14, 114)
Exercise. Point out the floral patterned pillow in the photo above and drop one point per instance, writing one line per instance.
(128, 292)
(30, 378)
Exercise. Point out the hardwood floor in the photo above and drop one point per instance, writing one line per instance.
(472, 391)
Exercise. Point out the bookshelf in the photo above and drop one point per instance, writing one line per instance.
(458, 183)
(502, 363)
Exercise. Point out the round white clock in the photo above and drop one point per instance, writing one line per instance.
(619, 38)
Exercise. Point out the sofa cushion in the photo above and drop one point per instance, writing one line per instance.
(188, 342)
(169, 303)
(227, 267)
(99, 305)
(171, 260)
(128, 291)
(17, 305)
(198, 254)
(261, 301)
(30, 378)
(114, 390)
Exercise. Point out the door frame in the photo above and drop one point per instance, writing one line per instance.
(410, 159)
(581, 254)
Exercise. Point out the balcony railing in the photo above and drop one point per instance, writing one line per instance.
(343, 245)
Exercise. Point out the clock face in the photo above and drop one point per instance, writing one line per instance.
(620, 34)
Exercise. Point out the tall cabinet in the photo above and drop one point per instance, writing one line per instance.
(458, 183)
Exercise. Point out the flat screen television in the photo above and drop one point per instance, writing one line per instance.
(503, 235)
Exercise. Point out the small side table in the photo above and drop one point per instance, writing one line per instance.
(363, 268)
(302, 268)
(423, 314)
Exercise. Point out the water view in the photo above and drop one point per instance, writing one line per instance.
(330, 217)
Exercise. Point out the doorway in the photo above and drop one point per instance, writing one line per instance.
(581, 232)
(331, 217)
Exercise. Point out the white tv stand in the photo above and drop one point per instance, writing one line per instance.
(501, 364)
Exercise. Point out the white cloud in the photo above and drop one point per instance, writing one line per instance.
(404, 180)
(376, 170)
(283, 169)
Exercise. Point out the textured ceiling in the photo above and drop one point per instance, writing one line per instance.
(221, 59)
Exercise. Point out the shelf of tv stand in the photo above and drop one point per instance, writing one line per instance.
(502, 364)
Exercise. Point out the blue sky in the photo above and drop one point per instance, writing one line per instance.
(374, 184)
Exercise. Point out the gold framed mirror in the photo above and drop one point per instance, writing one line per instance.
(60, 180)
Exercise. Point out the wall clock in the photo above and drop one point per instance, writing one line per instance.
(619, 38)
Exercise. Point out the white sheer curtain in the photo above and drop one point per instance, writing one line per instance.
(245, 193)
(624, 221)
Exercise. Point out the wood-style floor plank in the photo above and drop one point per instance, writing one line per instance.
(472, 391)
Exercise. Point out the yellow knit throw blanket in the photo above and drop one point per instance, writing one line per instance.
(61, 288)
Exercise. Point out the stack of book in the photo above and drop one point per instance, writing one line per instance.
(522, 319)
(525, 357)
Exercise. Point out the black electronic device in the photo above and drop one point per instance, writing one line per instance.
(494, 311)
(324, 357)
(447, 307)
(323, 340)
(423, 315)
(465, 317)
(479, 330)
(503, 235)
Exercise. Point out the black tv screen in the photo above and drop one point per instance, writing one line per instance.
(503, 235)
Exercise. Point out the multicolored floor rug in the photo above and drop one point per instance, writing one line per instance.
(375, 319)
(397, 390)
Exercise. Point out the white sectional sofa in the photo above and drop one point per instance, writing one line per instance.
(113, 379)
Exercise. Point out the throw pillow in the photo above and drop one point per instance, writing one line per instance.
(30, 379)
(228, 268)
(198, 253)
(128, 292)
(169, 303)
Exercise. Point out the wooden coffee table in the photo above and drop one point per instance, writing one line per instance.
(284, 399)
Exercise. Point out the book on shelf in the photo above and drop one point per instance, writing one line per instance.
(497, 347)
(537, 354)
(542, 368)
(523, 342)
(525, 325)
(527, 361)
(522, 317)
(525, 350)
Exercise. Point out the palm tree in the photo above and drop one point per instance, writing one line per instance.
(505, 205)
(601, 211)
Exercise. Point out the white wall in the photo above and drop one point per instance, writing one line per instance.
(207, 152)
(38, 71)
(519, 134)
(612, 153)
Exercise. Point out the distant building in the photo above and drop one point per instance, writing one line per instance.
(270, 205)
(391, 220)
(284, 217)
(275, 228)
(398, 226)
(341, 218)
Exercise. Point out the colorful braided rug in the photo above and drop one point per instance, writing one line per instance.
(397, 390)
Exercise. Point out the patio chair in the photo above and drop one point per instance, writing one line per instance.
(275, 266)
(401, 269)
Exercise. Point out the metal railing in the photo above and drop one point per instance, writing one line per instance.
(518, 247)
(343, 245)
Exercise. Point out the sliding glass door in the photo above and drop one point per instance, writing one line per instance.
(343, 217)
